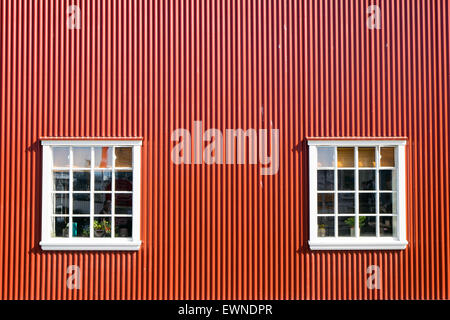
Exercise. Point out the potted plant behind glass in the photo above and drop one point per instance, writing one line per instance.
(98, 229)
(322, 230)
(351, 223)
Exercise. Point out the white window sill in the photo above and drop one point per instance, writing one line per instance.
(91, 245)
(359, 244)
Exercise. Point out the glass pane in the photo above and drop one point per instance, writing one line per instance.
(325, 156)
(325, 180)
(366, 157)
(123, 157)
(124, 181)
(81, 157)
(81, 203)
(80, 227)
(366, 179)
(325, 203)
(367, 203)
(123, 227)
(60, 227)
(103, 180)
(387, 157)
(102, 227)
(387, 203)
(346, 180)
(61, 157)
(386, 179)
(367, 226)
(124, 203)
(61, 203)
(346, 157)
(103, 157)
(346, 203)
(346, 226)
(325, 227)
(388, 226)
(102, 203)
(61, 180)
(81, 181)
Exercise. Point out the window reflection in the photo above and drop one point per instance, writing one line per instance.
(346, 157)
(325, 180)
(325, 203)
(346, 203)
(81, 157)
(387, 157)
(325, 156)
(102, 203)
(61, 157)
(366, 157)
(367, 179)
(81, 203)
(123, 157)
(346, 180)
(367, 203)
(103, 157)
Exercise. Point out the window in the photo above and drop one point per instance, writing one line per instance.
(91, 195)
(357, 194)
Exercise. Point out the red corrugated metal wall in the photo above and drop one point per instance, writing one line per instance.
(145, 68)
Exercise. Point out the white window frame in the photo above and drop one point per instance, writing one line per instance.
(104, 244)
(398, 241)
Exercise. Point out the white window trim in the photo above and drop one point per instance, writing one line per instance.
(113, 244)
(398, 242)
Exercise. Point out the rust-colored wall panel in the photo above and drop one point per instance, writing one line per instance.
(145, 68)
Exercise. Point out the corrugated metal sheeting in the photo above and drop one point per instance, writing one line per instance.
(145, 68)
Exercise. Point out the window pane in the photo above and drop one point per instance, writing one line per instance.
(367, 203)
(346, 180)
(366, 179)
(103, 157)
(366, 157)
(61, 203)
(388, 226)
(325, 180)
(103, 180)
(325, 156)
(81, 157)
(346, 226)
(81, 180)
(81, 203)
(325, 227)
(102, 227)
(367, 226)
(124, 181)
(80, 227)
(124, 202)
(386, 203)
(123, 157)
(61, 180)
(123, 227)
(387, 157)
(386, 179)
(346, 157)
(325, 203)
(346, 203)
(60, 227)
(61, 157)
(102, 203)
